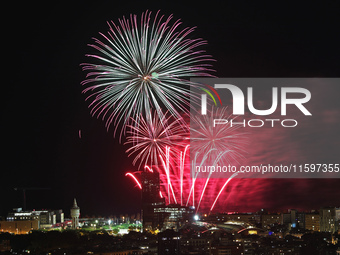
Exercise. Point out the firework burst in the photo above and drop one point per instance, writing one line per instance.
(140, 65)
(149, 139)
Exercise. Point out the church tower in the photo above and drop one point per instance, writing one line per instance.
(75, 212)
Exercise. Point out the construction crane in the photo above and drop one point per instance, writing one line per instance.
(24, 193)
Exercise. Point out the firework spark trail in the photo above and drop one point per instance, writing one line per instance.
(182, 164)
(166, 166)
(219, 193)
(141, 65)
(181, 172)
(135, 179)
(194, 177)
(212, 146)
(220, 155)
(171, 180)
(149, 169)
(196, 188)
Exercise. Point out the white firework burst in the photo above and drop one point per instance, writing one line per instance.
(143, 65)
(149, 139)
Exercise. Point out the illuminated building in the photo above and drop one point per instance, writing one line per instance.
(247, 218)
(329, 221)
(75, 212)
(46, 218)
(269, 220)
(174, 216)
(19, 226)
(195, 245)
(337, 217)
(59, 216)
(19, 215)
(312, 221)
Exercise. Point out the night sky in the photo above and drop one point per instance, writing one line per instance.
(44, 109)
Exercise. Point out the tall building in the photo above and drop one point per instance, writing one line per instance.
(155, 214)
(294, 219)
(75, 212)
(151, 199)
(337, 217)
(328, 219)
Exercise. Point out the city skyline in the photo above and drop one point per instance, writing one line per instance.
(177, 229)
(52, 141)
